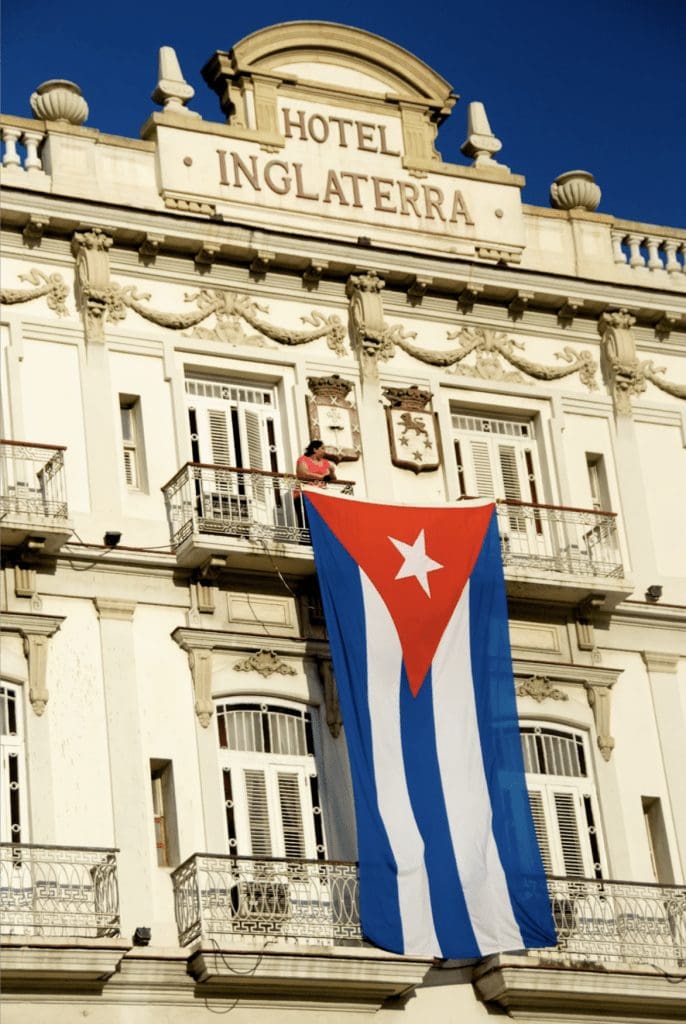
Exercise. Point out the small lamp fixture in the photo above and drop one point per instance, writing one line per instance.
(111, 539)
(654, 593)
(141, 936)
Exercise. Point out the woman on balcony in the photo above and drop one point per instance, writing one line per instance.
(313, 467)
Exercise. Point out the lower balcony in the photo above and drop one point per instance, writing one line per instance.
(562, 554)
(59, 914)
(243, 515)
(33, 502)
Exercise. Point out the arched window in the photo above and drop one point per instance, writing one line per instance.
(13, 817)
(269, 778)
(563, 801)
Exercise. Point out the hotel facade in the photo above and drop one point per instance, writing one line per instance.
(181, 314)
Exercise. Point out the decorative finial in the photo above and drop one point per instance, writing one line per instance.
(172, 90)
(480, 143)
(59, 100)
(575, 190)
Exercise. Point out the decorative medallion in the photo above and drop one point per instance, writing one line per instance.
(265, 663)
(540, 688)
(412, 429)
(333, 417)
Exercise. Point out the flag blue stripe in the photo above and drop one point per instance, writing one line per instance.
(449, 909)
(501, 746)
(339, 575)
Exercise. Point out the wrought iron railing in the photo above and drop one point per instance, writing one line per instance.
(225, 898)
(58, 891)
(203, 498)
(623, 922)
(32, 480)
(581, 542)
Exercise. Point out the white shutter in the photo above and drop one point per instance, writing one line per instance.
(511, 471)
(536, 800)
(291, 814)
(568, 810)
(220, 446)
(13, 811)
(483, 474)
(258, 813)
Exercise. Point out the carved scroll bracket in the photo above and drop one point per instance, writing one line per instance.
(333, 710)
(373, 338)
(626, 374)
(599, 699)
(94, 289)
(199, 648)
(35, 631)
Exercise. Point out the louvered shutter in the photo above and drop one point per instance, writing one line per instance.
(483, 473)
(258, 813)
(510, 471)
(291, 814)
(13, 816)
(567, 810)
(537, 802)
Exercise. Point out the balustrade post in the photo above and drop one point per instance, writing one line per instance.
(636, 256)
(618, 253)
(32, 141)
(10, 137)
(654, 261)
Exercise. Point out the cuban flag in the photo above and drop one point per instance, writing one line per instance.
(415, 608)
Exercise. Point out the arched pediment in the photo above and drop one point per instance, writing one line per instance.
(330, 56)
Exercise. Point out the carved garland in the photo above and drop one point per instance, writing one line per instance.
(488, 345)
(265, 663)
(540, 688)
(50, 285)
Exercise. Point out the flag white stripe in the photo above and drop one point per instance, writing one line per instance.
(384, 662)
(468, 803)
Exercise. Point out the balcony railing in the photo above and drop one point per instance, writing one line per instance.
(622, 922)
(58, 891)
(224, 500)
(230, 900)
(576, 541)
(32, 481)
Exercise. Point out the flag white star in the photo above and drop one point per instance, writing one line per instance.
(417, 563)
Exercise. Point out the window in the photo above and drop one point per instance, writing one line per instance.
(496, 458)
(657, 840)
(563, 801)
(164, 812)
(597, 481)
(13, 817)
(234, 424)
(132, 442)
(270, 786)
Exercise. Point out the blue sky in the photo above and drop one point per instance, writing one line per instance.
(592, 84)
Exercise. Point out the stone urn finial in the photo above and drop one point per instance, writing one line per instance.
(575, 190)
(59, 100)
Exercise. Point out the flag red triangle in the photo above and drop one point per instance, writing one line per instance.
(452, 538)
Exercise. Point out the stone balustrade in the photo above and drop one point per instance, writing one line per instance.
(632, 247)
(21, 145)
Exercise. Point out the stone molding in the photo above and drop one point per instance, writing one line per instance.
(35, 631)
(661, 662)
(50, 285)
(112, 608)
(266, 663)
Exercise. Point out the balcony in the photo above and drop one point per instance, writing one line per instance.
(561, 554)
(33, 501)
(59, 914)
(621, 951)
(245, 516)
(296, 915)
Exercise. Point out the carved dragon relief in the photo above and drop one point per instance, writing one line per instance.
(50, 285)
